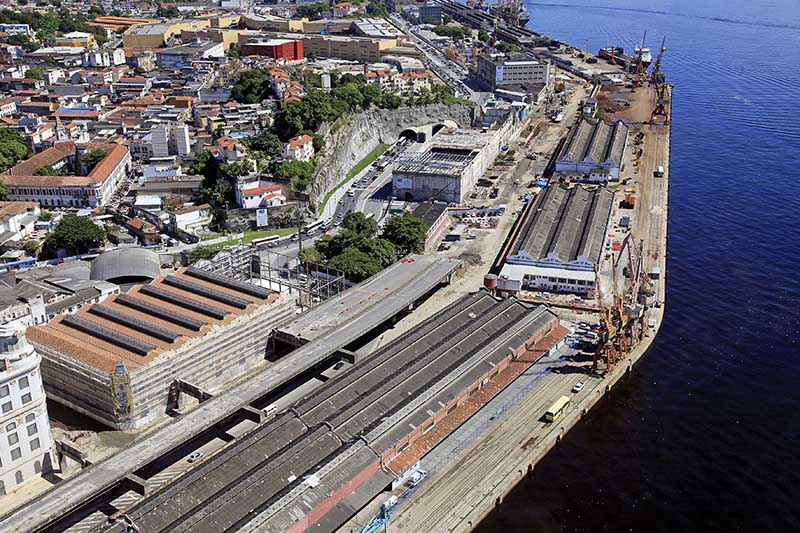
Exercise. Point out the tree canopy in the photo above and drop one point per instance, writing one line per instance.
(35, 73)
(92, 158)
(299, 173)
(311, 11)
(360, 224)
(407, 232)
(355, 264)
(12, 148)
(76, 235)
(169, 12)
(252, 87)
(452, 31)
(267, 143)
(46, 170)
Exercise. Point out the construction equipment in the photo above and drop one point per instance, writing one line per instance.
(658, 79)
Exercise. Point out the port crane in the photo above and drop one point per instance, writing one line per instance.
(623, 320)
(658, 79)
(641, 71)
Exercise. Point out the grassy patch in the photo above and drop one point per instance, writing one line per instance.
(250, 236)
(361, 165)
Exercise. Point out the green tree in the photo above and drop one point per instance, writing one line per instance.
(311, 11)
(452, 31)
(92, 158)
(219, 218)
(331, 246)
(12, 148)
(201, 252)
(76, 235)
(484, 36)
(376, 9)
(299, 173)
(267, 143)
(407, 232)
(355, 264)
(252, 87)
(169, 12)
(32, 247)
(311, 255)
(4, 194)
(35, 73)
(383, 251)
(46, 170)
(349, 94)
(360, 223)
(233, 50)
(24, 42)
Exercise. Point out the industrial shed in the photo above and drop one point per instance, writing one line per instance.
(117, 361)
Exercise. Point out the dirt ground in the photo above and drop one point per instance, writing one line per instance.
(631, 105)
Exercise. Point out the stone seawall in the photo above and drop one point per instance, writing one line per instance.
(363, 132)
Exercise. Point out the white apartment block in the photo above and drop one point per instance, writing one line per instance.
(25, 441)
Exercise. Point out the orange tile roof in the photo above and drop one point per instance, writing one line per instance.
(50, 156)
(300, 140)
(91, 350)
(261, 190)
(114, 156)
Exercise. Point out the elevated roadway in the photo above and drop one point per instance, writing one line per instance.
(395, 290)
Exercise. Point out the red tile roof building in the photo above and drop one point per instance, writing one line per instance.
(75, 189)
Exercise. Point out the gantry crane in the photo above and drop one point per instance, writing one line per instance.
(658, 80)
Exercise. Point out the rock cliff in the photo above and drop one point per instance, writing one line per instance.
(363, 132)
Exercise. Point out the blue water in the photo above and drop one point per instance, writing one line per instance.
(705, 435)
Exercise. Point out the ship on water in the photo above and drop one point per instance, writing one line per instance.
(511, 11)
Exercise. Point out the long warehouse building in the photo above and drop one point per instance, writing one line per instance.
(314, 466)
(559, 242)
(117, 361)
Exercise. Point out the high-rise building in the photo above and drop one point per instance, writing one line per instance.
(183, 146)
(25, 440)
(159, 138)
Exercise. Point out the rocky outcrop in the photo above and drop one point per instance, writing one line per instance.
(363, 132)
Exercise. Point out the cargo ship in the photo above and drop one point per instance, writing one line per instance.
(617, 56)
(511, 11)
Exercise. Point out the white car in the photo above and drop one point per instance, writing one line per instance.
(416, 478)
(578, 387)
(193, 458)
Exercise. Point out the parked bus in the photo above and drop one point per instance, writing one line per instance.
(557, 409)
(264, 241)
(314, 226)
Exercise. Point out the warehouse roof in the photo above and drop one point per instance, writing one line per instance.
(566, 224)
(287, 467)
(430, 212)
(599, 142)
(149, 319)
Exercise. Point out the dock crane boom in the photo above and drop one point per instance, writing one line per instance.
(659, 81)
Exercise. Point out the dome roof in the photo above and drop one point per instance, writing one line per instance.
(124, 264)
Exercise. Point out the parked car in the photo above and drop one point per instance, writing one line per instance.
(417, 478)
(194, 457)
